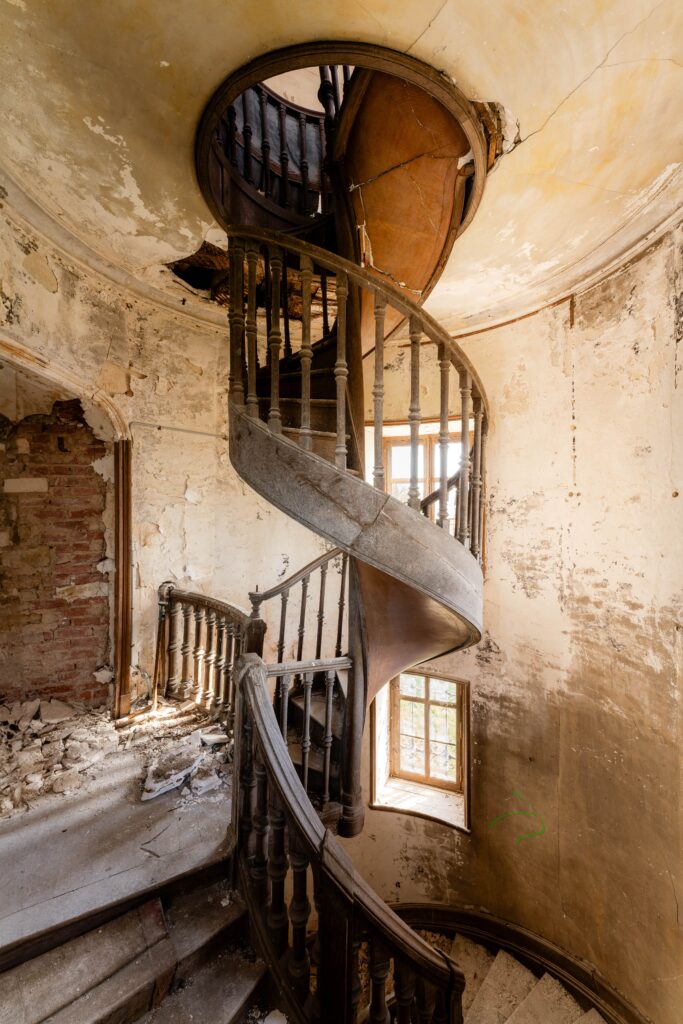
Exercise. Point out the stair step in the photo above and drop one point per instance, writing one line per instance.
(323, 412)
(475, 961)
(219, 993)
(505, 986)
(121, 970)
(547, 1003)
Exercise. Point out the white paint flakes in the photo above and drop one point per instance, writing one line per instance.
(99, 129)
(164, 64)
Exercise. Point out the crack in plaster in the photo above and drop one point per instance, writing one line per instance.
(404, 163)
(597, 68)
(427, 26)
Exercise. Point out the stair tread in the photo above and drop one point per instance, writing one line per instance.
(475, 962)
(547, 1003)
(199, 918)
(505, 986)
(219, 993)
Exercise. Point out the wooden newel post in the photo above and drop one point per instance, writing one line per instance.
(255, 629)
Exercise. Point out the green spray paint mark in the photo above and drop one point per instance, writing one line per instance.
(523, 814)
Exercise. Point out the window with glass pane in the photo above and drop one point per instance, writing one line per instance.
(397, 467)
(427, 729)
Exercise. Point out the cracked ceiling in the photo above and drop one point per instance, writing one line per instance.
(100, 107)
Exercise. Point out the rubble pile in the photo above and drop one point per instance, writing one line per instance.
(48, 746)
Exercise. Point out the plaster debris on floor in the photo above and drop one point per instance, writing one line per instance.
(49, 746)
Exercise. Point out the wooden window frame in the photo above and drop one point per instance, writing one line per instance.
(431, 446)
(462, 739)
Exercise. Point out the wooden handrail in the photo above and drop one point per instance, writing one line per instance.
(433, 496)
(314, 665)
(257, 597)
(366, 917)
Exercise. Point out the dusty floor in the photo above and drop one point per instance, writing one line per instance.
(91, 840)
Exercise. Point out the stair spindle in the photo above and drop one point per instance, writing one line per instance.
(341, 372)
(404, 989)
(306, 731)
(378, 390)
(275, 341)
(232, 132)
(482, 473)
(464, 482)
(425, 1001)
(228, 681)
(186, 682)
(302, 617)
(277, 917)
(284, 598)
(285, 307)
(299, 963)
(236, 320)
(323, 289)
(346, 71)
(208, 694)
(441, 1008)
(444, 369)
(327, 742)
(285, 686)
(342, 605)
(321, 610)
(303, 164)
(266, 185)
(284, 156)
(324, 199)
(259, 865)
(379, 970)
(414, 415)
(247, 782)
(247, 134)
(199, 652)
(252, 330)
(305, 432)
(335, 87)
(174, 643)
(221, 651)
(476, 477)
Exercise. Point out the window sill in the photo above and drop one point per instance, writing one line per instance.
(423, 801)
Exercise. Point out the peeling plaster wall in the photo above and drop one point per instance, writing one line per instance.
(165, 377)
(576, 686)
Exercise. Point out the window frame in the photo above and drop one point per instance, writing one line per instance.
(430, 448)
(395, 697)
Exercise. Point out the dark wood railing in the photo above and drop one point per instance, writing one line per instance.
(309, 264)
(282, 848)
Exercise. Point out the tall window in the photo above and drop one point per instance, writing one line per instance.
(396, 451)
(427, 730)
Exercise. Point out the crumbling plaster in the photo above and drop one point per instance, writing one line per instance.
(576, 686)
(163, 377)
(100, 107)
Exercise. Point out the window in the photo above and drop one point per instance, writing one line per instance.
(420, 743)
(426, 730)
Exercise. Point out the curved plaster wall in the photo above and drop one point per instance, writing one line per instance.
(576, 686)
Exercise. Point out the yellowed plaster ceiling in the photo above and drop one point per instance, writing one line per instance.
(100, 103)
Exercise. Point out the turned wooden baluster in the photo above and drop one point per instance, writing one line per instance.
(302, 617)
(209, 693)
(378, 390)
(284, 156)
(266, 185)
(252, 330)
(324, 197)
(299, 963)
(236, 320)
(259, 866)
(228, 682)
(414, 411)
(282, 689)
(425, 1001)
(327, 741)
(482, 473)
(379, 969)
(475, 544)
(441, 1008)
(444, 368)
(355, 990)
(341, 371)
(303, 163)
(247, 136)
(404, 989)
(187, 649)
(464, 482)
(199, 652)
(174, 642)
(221, 650)
(247, 783)
(232, 132)
(306, 730)
(342, 605)
(323, 290)
(285, 307)
(305, 432)
(321, 610)
(335, 87)
(284, 598)
(275, 341)
(278, 920)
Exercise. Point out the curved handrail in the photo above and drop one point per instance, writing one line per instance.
(257, 597)
(331, 860)
(370, 279)
(170, 592)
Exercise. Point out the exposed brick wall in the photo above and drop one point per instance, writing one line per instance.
(54, 601)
